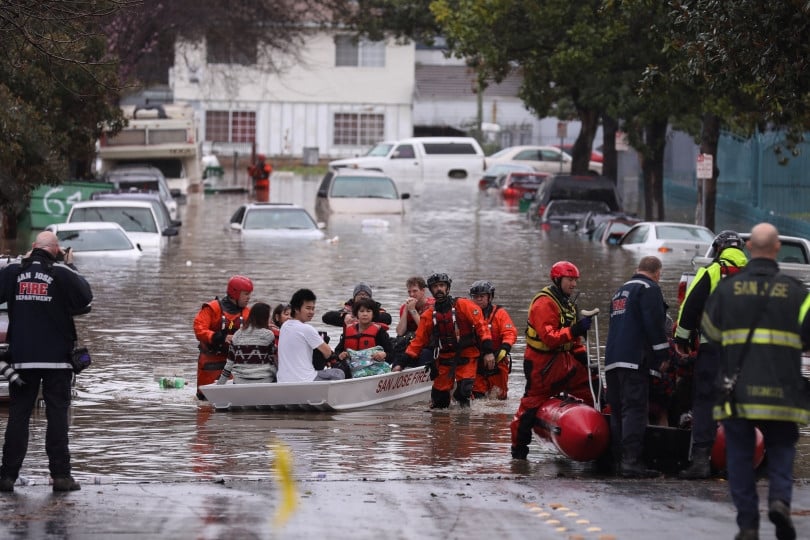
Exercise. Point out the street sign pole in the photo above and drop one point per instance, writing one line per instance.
(704, 170)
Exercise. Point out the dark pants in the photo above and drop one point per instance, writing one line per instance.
(628, 396)
(780, 447)
(704, 427)
(56, 392)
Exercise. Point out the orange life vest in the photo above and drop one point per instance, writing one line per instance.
(357, 340)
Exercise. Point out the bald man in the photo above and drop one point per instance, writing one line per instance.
(759, 317)
(44, 291)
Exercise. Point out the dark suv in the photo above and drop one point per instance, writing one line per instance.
(566, 186)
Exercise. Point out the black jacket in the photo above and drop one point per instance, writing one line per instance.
(769, 383)
(43, 296)
(335, 318)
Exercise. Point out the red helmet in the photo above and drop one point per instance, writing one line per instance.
(237, 284)
(561, 269)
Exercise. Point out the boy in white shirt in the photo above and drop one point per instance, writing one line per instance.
(298, 339)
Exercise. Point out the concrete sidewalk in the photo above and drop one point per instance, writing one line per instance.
(443, 508)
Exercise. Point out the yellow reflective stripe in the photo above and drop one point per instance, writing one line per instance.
(755, 411)
(803, 309)
(709, 329)
(762, 336)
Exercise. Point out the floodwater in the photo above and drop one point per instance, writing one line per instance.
(126, 429)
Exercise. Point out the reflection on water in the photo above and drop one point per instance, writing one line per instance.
(125, 428)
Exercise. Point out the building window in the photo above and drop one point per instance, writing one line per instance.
(362, 53)
(230, 126)
(227, 50)
(358, 129)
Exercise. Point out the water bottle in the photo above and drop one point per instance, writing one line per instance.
(172, 382)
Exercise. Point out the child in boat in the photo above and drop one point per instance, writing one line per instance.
(251, 353)
(365, 333)
(281, 313)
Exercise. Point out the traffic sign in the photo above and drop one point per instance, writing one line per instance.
(705, 166)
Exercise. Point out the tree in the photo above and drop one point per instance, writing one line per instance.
(57, 86)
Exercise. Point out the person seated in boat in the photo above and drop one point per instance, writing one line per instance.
(365, 334)
(251, 357)
(214, 327)
(458, 334)
(298, 339)
(495, 380)
(281, 313)
(343, 317)
(555, 360)
(636, 348)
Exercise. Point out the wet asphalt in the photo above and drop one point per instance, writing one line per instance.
(517, 507)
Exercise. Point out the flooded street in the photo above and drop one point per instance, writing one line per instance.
(126, 429)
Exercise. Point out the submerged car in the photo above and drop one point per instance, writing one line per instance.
(548, 159)
(95, 238)
(355, 191)
(566, 186)
(490, 178)
(275, 220)
(142, 177)
(663, 237)
(518, 184)
(611, 229)
(143, 224)
(569, 214)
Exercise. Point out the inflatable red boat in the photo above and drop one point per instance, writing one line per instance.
(579, 431)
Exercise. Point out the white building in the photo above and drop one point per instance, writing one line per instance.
(341, 97)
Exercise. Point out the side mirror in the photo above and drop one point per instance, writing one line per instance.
(321, 225)
(405, 196)
(176, 193)
(236, 226)
(170, 231)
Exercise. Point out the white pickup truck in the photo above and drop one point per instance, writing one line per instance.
(421, 157)
(793, 259)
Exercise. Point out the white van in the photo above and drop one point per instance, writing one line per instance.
(422, 157)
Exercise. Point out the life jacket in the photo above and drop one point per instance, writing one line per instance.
(229, 322)
(451, 334)
(568, 315)
(357, 340)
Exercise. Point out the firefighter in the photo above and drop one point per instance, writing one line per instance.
(759, 319)
(458, 334)
(214, 327)
(555, 360)
(729, 258)
(504, 336)
(260, 175)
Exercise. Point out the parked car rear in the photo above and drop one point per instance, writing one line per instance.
(583, 188)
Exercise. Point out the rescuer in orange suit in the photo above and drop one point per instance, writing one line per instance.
(458, 334)
(214, 327)
(260, 174)
(504, 336)
(555, 360)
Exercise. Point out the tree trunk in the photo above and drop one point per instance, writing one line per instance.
(610, 164)
(584, 143)
(709, 137)
(652, 167)
(9, 225)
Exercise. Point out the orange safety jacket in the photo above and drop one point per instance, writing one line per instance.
(212, 319)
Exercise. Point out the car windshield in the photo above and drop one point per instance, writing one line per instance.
(277, 219)
(131, 219)
(364, 187)
(94, 240)
(678, 232)
(380, 150)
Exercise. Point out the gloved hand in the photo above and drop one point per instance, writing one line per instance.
(218, 339)
(682, 345)
(502, 352)
(581, 327)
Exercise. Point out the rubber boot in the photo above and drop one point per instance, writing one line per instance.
(747, 534)
(700, 467)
